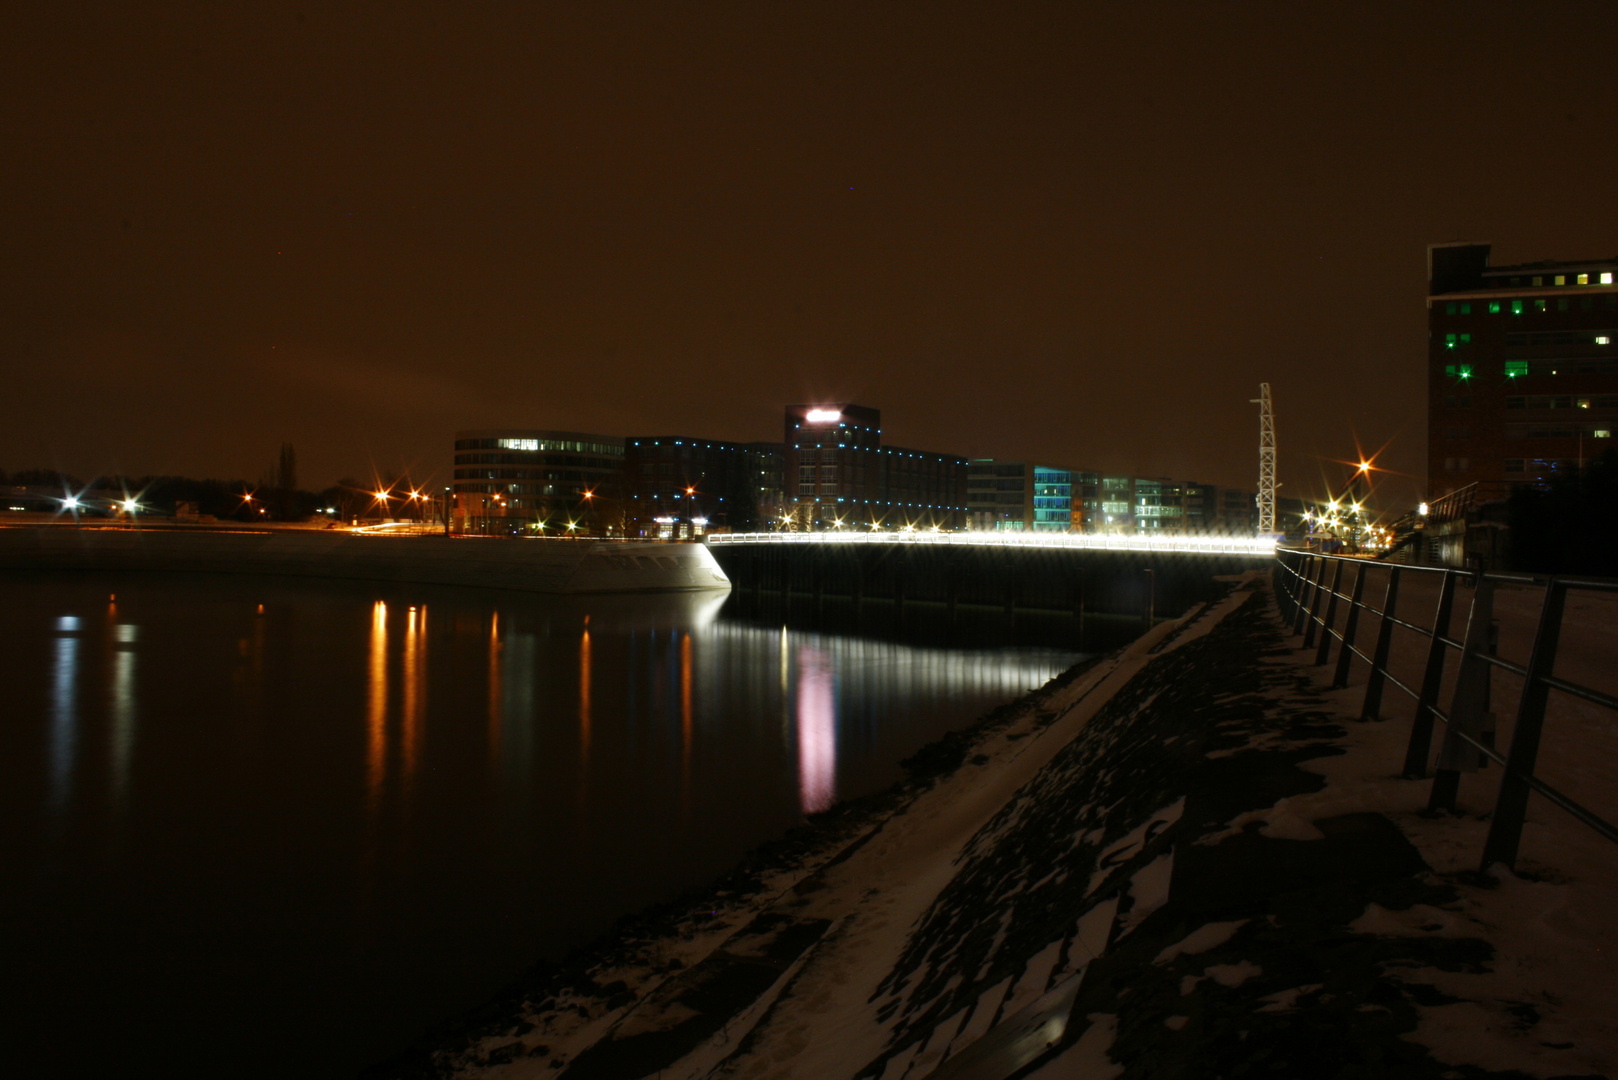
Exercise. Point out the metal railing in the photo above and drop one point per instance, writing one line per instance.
(1306, 583)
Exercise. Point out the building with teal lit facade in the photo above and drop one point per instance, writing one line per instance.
(1021, 496)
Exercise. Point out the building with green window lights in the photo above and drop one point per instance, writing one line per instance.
(1522, 368)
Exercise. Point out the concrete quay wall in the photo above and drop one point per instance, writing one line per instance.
(528, 565)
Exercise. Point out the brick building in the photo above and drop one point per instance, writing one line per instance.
(1522, 369)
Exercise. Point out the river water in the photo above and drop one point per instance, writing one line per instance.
(275, 827)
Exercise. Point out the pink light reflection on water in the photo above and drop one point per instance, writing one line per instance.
(817, 729)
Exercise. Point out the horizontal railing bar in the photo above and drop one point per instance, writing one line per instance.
(1488, 751)
(1600, 825)
(1595, 697)
(1389, 677)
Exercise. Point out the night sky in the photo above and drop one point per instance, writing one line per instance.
(1077, 233)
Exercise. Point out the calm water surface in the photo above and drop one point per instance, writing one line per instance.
(288, 825)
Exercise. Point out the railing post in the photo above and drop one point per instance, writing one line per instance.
(1314, 606)
(1511, 805)
(1372, 707)
(1469, 704)
(1421, 729)
(1304, 586)
(1324, 653)
(1280, 580)
(1350, 625)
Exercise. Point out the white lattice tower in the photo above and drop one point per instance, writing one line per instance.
(1266, 461)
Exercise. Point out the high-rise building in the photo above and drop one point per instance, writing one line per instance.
(837, 474)
(1522, 367)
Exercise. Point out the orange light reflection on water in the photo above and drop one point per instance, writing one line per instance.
(377, 707)
(495, 692)
(415, 693)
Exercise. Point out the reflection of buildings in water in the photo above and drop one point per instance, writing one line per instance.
(873, 675)
(817, 729)
(519, 663)
(786, 699)
(64, 711)
(842, 690)
(121, 699)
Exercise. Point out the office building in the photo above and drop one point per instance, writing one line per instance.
(524, 481)
(838, 474)
(1522, 368)
(1238, 512)
(1159, 507)
(680, 487)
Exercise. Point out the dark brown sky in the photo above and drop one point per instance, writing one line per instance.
(1082, 233)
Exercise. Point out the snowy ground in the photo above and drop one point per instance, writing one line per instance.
(1190, 860)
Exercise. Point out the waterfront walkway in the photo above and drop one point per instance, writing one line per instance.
(1184, 860)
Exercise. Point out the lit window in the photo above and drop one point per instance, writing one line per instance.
(1514, 368)
(1603, 339)
(1494, 307)
(1449, 341)
(1516, 307)
(1466, 309)
(1449, 309)
(1561, 279)
(1584, 279)
(1583, 403)
(1606, 278)
(1466, 339)
(1601, 433)
(1539, 305)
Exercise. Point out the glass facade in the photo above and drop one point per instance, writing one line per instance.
(1053, 499)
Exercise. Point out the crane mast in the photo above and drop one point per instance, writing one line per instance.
(1266, 461)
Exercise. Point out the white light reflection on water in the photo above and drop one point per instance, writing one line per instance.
(64, 711)
(817, 730)
(121, 697)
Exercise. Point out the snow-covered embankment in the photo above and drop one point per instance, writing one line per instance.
(1187, 861)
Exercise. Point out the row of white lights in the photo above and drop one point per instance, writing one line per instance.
(1218, 545)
